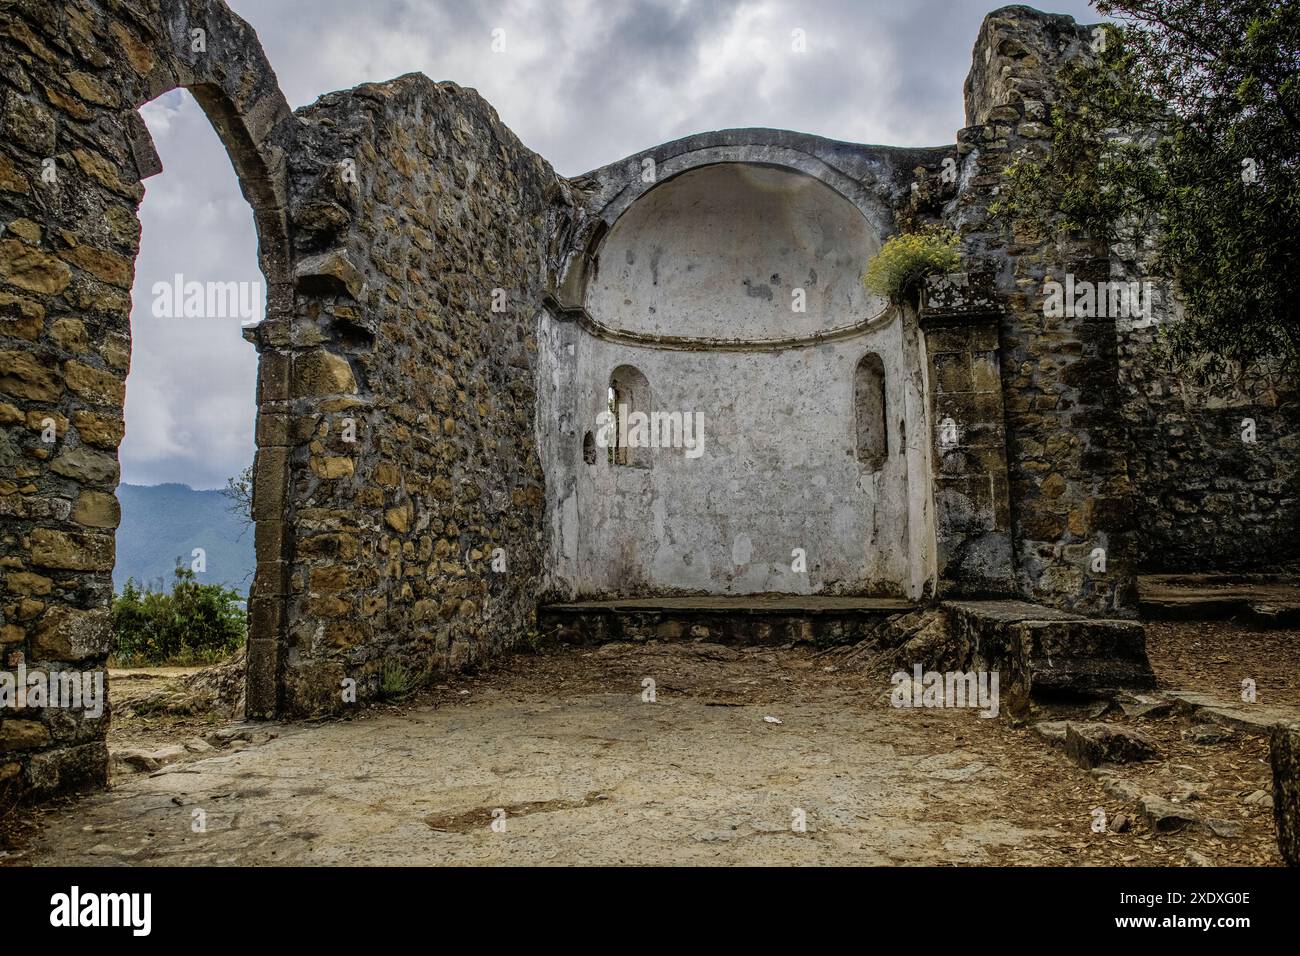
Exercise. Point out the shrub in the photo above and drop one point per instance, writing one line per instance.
(396, 682)
(903, 261)
(194, 624)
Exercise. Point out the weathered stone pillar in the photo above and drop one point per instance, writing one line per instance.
(1066, 461)
(959, 319)
(272, 532)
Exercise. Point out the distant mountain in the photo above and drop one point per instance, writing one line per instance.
(162, 522)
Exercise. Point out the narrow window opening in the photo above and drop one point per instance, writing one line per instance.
(869, 412)
(629, 400)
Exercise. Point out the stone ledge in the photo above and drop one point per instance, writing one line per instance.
(959, 295)
(754, 620)
(1262, 600)
(1249, 718)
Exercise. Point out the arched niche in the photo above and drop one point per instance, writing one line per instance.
(734, 252)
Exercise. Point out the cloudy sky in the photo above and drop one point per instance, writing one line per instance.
(582, 82)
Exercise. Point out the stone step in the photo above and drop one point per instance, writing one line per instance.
(1045, 652)
(765, 619)
(1251, 718)
(1090, 744)
(1262, 600)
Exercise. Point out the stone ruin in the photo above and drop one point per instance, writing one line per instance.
(447, 318)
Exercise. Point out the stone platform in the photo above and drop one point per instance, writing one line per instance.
(1043, 652)
(1040, 652)
(1263, 600)
(745, 619)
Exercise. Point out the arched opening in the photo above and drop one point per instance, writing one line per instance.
(186, 537)
(629, 403)
(869, 407)
(242, 101)
(71, 207)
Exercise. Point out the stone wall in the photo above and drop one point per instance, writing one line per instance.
(1109, 447)
(735, 289)
(403, 234)
(1206, 498)
(1284, 756)
(421, 236)
(1066, 443)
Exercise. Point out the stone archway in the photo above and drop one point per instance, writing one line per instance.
(70, 185)
(227, 72)
(616, 187)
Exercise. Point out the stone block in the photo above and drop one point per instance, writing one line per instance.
(1092, 744)
(72, 551)
(70, 634)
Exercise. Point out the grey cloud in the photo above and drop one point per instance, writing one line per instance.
(583, 82)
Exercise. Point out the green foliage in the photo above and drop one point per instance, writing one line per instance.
(897, 270)
(397, 682)
(534, 642)
(1186, 127)
(193, 624)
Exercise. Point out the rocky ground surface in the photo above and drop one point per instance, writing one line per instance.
(739, 745)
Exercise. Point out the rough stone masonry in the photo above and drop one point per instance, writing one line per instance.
(444, 314)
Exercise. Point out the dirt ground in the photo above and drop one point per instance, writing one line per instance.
(560, 746)
(1213, 657)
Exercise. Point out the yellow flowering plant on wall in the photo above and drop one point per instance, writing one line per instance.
(896, 271)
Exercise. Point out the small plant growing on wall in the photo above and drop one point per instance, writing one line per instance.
(397, 682)
(897, 270)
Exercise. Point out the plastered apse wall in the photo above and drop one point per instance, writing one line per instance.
(686, 287)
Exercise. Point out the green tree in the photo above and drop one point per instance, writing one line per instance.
(1185, 125)
(239, 493)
